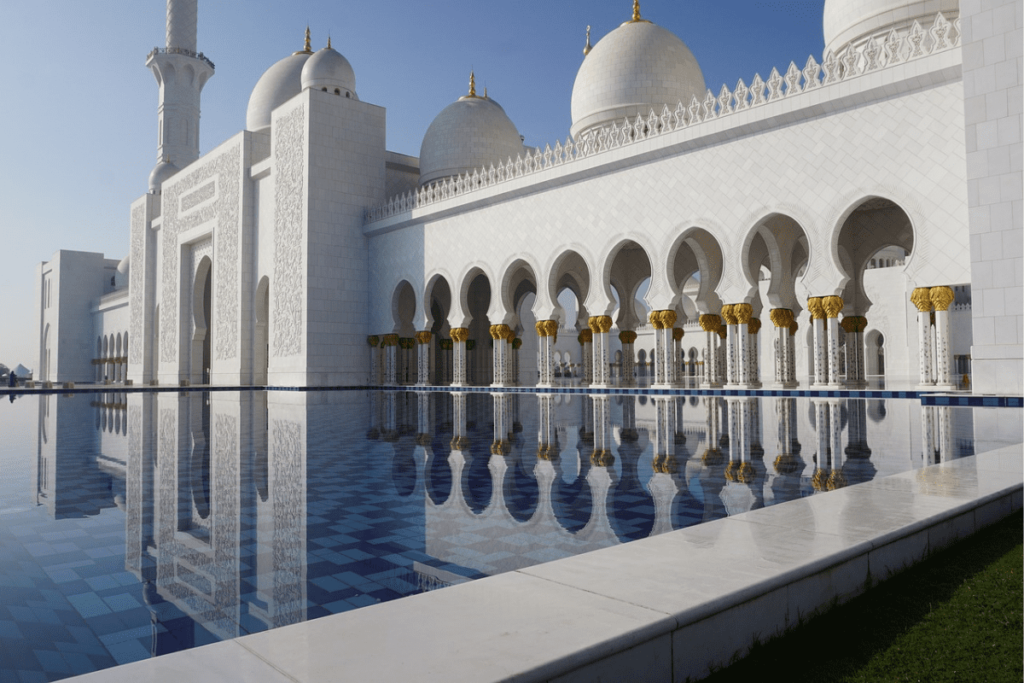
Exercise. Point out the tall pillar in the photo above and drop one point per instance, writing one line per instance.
(820, 352)
(600, 326)
(791, 353)
(941, 298)
(744, 314)
(515, 344)
(546, 329)
(390, 359)
(374, 375)
(721, 357)
(627, 338)
(754, 351)
(459, 337)
(678, 372)
(709, 322)
(854, 326)
(922, 299)
(586, 339)
(833, 305)
(423, 358)
(445, 371)
(663, 322)
(781, 318)
(729, 315)
(499, 352)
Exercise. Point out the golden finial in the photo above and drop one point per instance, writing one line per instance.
(307, 48)
(328, 41)
(636, 10)
(472, 84)
(587, 48)
(485, 92)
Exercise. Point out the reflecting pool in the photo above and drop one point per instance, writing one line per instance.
(137, 524)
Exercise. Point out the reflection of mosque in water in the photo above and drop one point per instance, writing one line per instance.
(239, 504)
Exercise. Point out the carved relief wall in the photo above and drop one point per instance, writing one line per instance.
(137, 284)
(289, 185)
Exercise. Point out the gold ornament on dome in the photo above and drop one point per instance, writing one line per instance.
(743, 313)
(832, 305)
(307, 48)
(941, 297)
(587, 48)
(754, 326)
(816, 307)
(921, 297)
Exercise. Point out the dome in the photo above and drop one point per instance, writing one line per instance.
(468, 134)
(637, 67)
(276, 86)
(122, 273)
(329, 70)
(161, 172)
(849, 21)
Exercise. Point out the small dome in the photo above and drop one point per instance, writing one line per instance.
(468, 134)
(637, 67)
(161, 172)
(851, 21)
(276, 86)
(123, 272)
(329, 70)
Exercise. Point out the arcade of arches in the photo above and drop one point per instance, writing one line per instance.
(471, 331)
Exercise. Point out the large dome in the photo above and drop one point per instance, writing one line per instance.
(329, 70)
(277, 85)
(468, 134)
(850, 21)
(637, 67)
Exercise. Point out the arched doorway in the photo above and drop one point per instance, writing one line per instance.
(202, 292)
(261, 343)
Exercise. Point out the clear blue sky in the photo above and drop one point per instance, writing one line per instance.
(78, 126)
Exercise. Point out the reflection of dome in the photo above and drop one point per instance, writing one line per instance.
(329, 70)
(122, 273)
(161, 172)
(849, 21)
(277, 85)
(468, 134)
(637, 67)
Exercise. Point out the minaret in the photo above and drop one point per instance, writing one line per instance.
(181, 73)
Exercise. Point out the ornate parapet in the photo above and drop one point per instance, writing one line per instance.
(897, 48)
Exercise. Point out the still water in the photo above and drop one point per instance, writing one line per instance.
(137, 524)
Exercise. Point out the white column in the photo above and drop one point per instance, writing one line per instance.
(459, 337)
(921, 298)
(587, 351)
(390, 350)
(709, 322)
(817, 309)
(626, 339)
(599, 327)
(941, 298)
(729, 316)
(546, 331)
(833, 305)
(742, 313)
(678, 372)
(754, 351)
(423, 358)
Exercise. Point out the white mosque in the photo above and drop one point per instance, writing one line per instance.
(841, 218)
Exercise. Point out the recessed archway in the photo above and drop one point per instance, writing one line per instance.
(202, 293)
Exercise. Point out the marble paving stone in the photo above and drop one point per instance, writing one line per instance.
(497, 628)
(224, 661)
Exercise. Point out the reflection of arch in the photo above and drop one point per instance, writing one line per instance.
(202, 292)
(404, 472)
(477, 485)
(46, 354)
(261, 352)
(438, 474)
(631, 512)
(573, 502)
(521, 492)
(199, 477)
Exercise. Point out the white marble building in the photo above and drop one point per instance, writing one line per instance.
(864, 208)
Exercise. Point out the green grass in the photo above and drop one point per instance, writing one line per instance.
(954, 617)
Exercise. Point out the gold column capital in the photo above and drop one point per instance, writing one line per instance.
(677, 333)
(816, 307)
(754, 326)
(627, 336)
(655, 318)
(833, 305)
(793, 327)
(781, 317)
(423, 337)
(723, 332)
(390, 340)
(600, 323)
(709, 322)
(373, 340)
(921, 297)
(586, 336)
(743, 313)
(941, 297)
(460, 334)
(729, 314)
